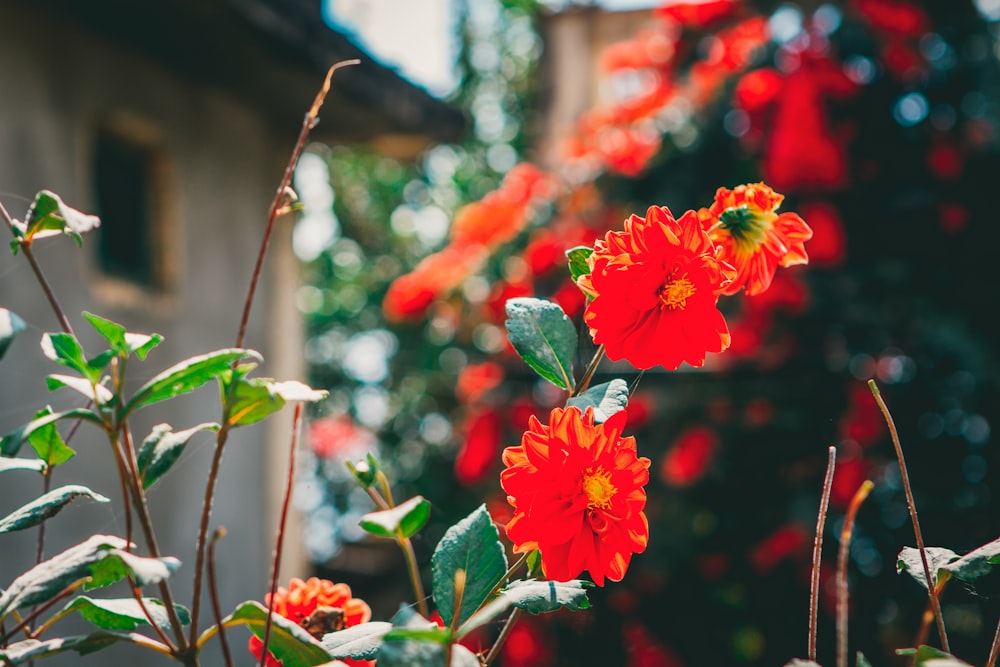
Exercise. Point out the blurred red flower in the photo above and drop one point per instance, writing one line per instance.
(655, 287)
(338, 436)
(787, 540)
(697, 14)
(528, 646)
(828, 245)
(318, 605)
(754, 238)
(642, 649)
(688, 460)
(475, 380)
(578, 497)
(479, 451)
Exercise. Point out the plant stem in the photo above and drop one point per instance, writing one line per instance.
(995, 649)
(282, 522)
(411, 566)
(588, 374)
(206, 514)
(49, 294)
(845, 547)
(213, 592)
(308, 123)
(908, 490)
(502, 638)
(137, 593)
(824, 502)
(456, 607)
(45, 606)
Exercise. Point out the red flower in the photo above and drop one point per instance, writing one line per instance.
(338, 436)
(578, 497)
(828, 245)
(319, 606)
(476, 379)
(697, 14)
(689, 458)
(753, 237)
(479, 452)
(655, 287)
(786, 541)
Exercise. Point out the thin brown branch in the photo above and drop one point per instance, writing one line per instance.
(908, 490)
(588, 374)
(308, 123)
(845, 547)
(45, 606)
(213, 592)
(995, 648)
(824, 503)
(414, 570)
(282, 523)
(206, 514)
(137, 594)
(502, 638)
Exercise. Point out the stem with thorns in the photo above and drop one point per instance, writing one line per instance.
(908, 490)
(845, 546)
(282, 521)
(824, 502)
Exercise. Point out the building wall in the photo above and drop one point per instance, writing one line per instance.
(219, 167)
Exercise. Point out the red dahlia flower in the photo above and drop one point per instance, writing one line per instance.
(319, 606)
(578, 497)
(753, 237)
(655, 286)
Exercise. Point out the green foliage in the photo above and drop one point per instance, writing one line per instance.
(64, 349)
(945, 563)
(862, 661)
(46, 506)
(48, 444)
(472, 545)
(186, 376)
(97, 393)
(25, 651)
(49, 216)
(534, 596)
(402, 521)
(288, 642)
(606, 399)
(577, 258)
(118, 564)
(161, 449)
(360, 642)
(928, 656)
(123, 613)
(10, 326)
(365, 471)
(544, 337)
(9, 463)
(416, 642)
(11, 443)
(121, 341)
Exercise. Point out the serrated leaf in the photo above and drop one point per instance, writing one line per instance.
(403, 646)
(64, 349)
(48, 444)
(360, 642)
(8, 463)
(250, 400)
(544, 337)
(22, 652)
(534, 596)
(124, 613)
(98, 393)
(51, 577)
(49, 216)
(161, 449)
(289, 642)
(473, 545)
(403, 520)
(185, 377)
(10, 326)
(606, 399)
(577, 258)
(11, 443)
(118, 564)
(45, 507)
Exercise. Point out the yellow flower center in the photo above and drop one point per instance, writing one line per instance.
(599, 489)
(676, 292)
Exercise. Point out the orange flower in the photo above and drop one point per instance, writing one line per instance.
(655, 287)
(319, 606)
(753, 237)
(578, 497)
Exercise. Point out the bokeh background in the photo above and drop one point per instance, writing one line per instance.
(878, 121)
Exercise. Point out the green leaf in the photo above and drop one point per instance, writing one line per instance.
(112, 332)
(46, 506)
(25, 651)
(360, 642)
(473, 545)
(928, 656)
(416, 642)
(577, 258)
(64, 349)
(532, 596)
(186, 376)
(124, 613)
(98, 393)
(862, 661)
(403, 520)
(48, 444)
(289, 642)
(606, 399)
(544, 337)
(51, 577)
(250, 400)
(118, 564)
(141, 344)
(12, 442)
(8, 463)
(945, 563)
(293, 390)
(49, 216)
(161, 449)
(364, 471)
(10, 326)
